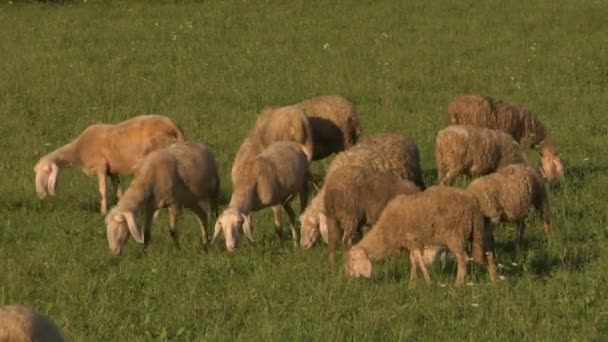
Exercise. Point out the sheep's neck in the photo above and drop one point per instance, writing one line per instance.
(64, 156)
(242, 199)
(136, 196)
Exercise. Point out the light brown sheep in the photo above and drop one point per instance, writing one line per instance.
(174, 177)
(438, 216)
(471, 150)
(384, 152)
(271, 179)
(107, 150)
(509, 193)
(335, 124)
(355, 197)
(22, 324)
(514, 119)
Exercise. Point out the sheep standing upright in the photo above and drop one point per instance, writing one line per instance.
(438, 216)
(514, 119)
(174, 177)
(107, 150)
(335, 124)
(22, 324)
(271, 179)
(466, 149)
(509, 193)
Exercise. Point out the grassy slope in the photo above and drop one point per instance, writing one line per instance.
(213, 66)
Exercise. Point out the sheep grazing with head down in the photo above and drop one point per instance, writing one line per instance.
(334, 122)
(509, 193)
(385, 152)
(107, 150)
(174, 177)
(271, 179)
(514, 119)
(439, 216)
(22, 324)
(466, 149)
(355, 197)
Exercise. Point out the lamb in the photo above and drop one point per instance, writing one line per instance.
(438, 216)
(508, 194)
(271, 180)
(335, 124)
(355, 196)
(466, 149)
(174, 177)
(385, 152)
(107, 150)
(22, 324)
(514, 119)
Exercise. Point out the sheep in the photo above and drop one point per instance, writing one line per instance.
(508, 194)
(466, 149)
(385, 152)
(271, 180)
(174, 177)
(441, 215)
(107, 150)
(335, 124)
(19, 323)
(514, 119)
(354, 197)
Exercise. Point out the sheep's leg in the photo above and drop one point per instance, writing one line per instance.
(462, 257)
(349, 226)
(148, 216)
(276, 215)
(292, 223)
(201, 217)
(545, 215)
(492, 270)
(173, 217)
(521, 229)
(332, 241)
(413, 269)
(101, 177)
(116, 184)
(420, 260)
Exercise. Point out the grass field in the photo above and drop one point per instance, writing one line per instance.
(212, 66)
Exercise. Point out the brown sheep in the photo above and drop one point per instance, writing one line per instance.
(108, 150)
(508, 194)
(438, 216)
(22, 324)
(466, 149)
(515, 119)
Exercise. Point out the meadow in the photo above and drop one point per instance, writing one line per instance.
(212, 66)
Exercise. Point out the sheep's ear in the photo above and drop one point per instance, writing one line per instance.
(323, 227)
(247, 227)
(133, 227)
(217, 230)
(42, 177)
(52, 181)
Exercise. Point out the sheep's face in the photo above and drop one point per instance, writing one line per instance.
(430, 253)
(552, 166)
(309, 230)
(46, 177)
(358, 264)
(117, 231)
(230, 223)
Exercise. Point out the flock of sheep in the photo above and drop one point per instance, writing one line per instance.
(373, 187)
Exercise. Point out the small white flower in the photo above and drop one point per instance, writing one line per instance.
(501, 266)
(502, 277)
(474, 305)
(155, 24)
(586, 159)
(443, 285)
(514, 264)
(470, 284)
(326, 46)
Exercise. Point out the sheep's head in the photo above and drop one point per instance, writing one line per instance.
(118, 226)
(358, 264)
(230, 223)
(309, 229)
(46, 177)
(550, 161)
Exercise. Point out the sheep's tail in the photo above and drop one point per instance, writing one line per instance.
(478, 225)
(266, 180)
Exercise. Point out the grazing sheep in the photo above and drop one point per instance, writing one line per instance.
(271, 179)
(508, 194)
(22, 324)
(355, 197)
(515, 119)
(174, 177)
(334, 122)
(107, 150)
(466, 149)
(438, 216)
(385, 152)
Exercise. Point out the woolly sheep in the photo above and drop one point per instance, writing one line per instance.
(514, 119)
(384, 152)
(22, 324)
(174, 177)
(271, 180)
(508, 194)
(107, 150)
(466, 149)
(438, 216)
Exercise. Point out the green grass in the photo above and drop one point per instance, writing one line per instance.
(212, 66)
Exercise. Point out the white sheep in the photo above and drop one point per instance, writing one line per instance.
(107, 150)
(466, 149)
(22, 324)
(174, 177)
(271, 180)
